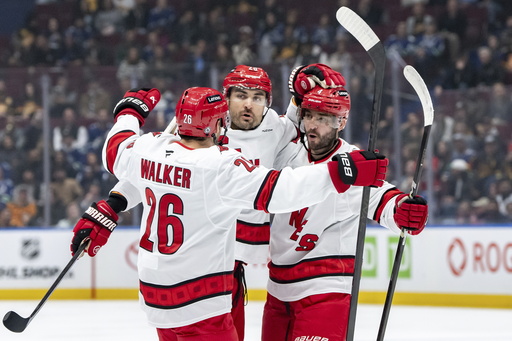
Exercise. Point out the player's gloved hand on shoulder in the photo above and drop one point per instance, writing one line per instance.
(358, 168)
(411, 213)
(96, 224)
(137, 102)
(304, 78)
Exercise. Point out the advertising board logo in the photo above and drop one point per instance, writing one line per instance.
(131, 254)
(30, 248)
(405, 264)
(371, 257)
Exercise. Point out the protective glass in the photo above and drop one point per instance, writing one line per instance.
(259, 100)
(321, 119)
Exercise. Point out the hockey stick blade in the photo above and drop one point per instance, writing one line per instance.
(356, 26)
(17, 324)
(419, 86)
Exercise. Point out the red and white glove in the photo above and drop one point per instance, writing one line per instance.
(411, 213)
(304, 78)
(137, 102)
(358, 168)
(97, 224)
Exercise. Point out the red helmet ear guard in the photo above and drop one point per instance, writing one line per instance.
(332, 101)
(198, 110)
(248, 77)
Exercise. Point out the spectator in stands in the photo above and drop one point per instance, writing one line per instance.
(371, 12)
(69, 135)
(93, 99)
(93, 192)
(6, 101)
(73, 214)
(55, 39)
(458, 74)
(504, 195)
(340, 59)
(416, 21)
(137, 17)
(161, 16)
(400, 41)
(186, 30)
(61, 96)
(270, 37)
(323, 32)
(6, 183)
(243, 51)
(64, 190)
(73, 52)
(108, 20)
(452, 24)
(488, 71)
(96, 54)
(133, 67)
(98, 129)
(487, 163)
(5, 216)
(500, 106)
(22, 208)
(428, 52)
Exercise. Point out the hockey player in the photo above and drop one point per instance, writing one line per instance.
(192, 191)
(260, 134)
(312, 249)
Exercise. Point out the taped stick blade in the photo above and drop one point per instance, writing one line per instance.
(414, 78)
(353, 23)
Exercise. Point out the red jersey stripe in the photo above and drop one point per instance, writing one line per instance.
(113, 147)
(312, 268)
(188, 292)
(384, 200)
(266, 190)
(254, 234)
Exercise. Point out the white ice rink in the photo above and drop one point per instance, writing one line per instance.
(123, 320)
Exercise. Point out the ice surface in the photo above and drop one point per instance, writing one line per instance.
(123, 320)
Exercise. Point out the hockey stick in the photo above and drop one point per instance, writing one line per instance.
(372, 44)
(171, 128)
(414, 78)
(15, 322)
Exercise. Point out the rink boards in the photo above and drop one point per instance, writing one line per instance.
(444, 266)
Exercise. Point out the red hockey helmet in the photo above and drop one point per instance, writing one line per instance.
(332, 101)
(198, 110)
(248, 77)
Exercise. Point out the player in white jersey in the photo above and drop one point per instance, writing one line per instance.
(313, 249)
(260, 133)
(192, 190)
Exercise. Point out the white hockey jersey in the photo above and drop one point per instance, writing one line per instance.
(261, 146)
(313, 249)
(191, 199)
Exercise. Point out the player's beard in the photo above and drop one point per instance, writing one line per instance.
(241, 122)
(321, 145)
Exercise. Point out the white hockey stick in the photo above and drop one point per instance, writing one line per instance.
(171, 128)
(354, 24)
(414, 78)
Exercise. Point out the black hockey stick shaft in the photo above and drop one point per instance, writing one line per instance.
(371, 43)
(15, 323)
(428, 114)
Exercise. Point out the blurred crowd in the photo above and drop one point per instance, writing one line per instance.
(95, 50)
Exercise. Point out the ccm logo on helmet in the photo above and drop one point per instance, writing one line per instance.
(345, 161)
(214, 98)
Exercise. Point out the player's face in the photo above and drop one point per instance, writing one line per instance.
(246, 108)
(321, 130)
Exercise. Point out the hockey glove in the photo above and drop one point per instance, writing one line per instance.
(358, 168)
(304, 78)
(97, 224)
(411, 213)
(137, 102)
